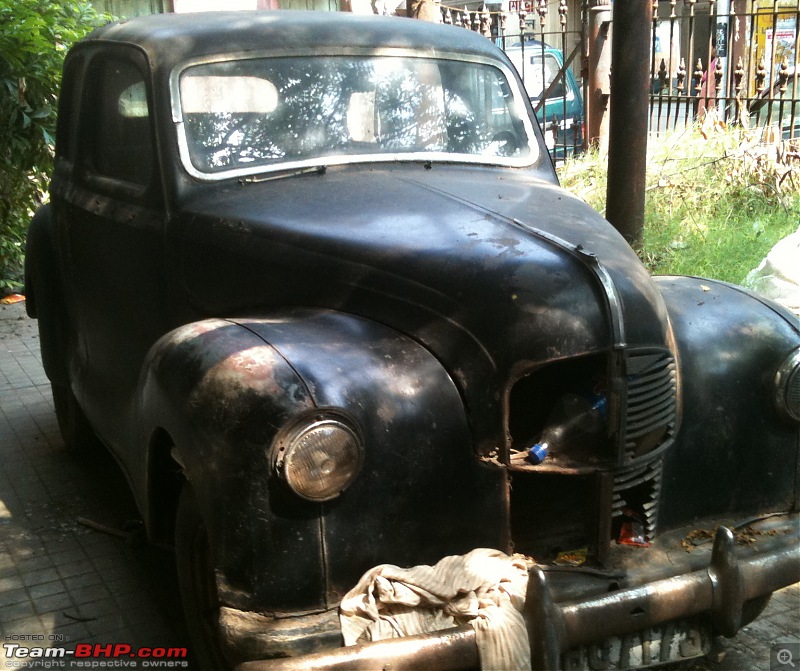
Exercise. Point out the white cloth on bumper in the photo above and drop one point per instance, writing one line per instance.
(484, 587)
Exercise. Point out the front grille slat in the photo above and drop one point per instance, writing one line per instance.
(656, 407)
(652, 376)
(648, 423)
(639, 429)
(639, 488)
(655, 388)
(650, 402)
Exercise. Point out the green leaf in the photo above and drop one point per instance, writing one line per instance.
(34, 39)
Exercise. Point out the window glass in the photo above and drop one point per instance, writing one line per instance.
(69, 104)
(121, 144)
(538, 73)
(264, 112)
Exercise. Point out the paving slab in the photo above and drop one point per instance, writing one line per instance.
(63, 583)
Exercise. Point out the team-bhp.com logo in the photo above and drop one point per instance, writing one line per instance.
(94, 656)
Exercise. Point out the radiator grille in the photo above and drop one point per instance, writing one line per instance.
(638, 488)
(649, 420)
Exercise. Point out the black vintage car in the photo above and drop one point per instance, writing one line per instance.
(312, 279)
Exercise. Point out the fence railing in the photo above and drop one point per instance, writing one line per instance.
(741, 64)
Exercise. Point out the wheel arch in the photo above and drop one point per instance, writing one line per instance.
(45, 300)
(165, 480)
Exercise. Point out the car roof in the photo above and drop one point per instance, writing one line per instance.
(169, 39)
(533, 44)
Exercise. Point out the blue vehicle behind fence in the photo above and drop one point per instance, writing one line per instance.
(561, 113)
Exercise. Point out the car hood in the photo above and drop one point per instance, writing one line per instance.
(494, 270)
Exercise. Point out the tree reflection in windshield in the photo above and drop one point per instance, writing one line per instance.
(260, 112)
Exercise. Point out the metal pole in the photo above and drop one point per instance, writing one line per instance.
(599, 74)
(627, 150)
(723, 39)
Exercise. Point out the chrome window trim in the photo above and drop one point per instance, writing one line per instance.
(520, 106)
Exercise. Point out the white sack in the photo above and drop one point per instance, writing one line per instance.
(778, 275)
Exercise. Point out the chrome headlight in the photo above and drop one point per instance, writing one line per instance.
(318, 457)
(787, 387)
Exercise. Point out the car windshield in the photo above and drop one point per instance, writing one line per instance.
(536, 73)
(271, 113)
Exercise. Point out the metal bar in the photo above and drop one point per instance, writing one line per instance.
(720, 589)
(446, 650)
(669, 599)
(627, 150)
(561, 73)
(545, 625)
(599, 74)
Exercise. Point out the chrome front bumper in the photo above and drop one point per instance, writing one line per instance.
(719, 590)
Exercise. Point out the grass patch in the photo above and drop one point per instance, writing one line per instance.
(717, 199)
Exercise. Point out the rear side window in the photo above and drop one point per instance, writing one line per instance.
(69, 104)
(120, 141)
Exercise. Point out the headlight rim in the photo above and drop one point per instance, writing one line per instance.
(788, 373)
(289, 436)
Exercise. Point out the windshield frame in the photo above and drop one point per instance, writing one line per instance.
(520, 102)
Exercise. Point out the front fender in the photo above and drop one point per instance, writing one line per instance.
(734, 452)
(221, 393)
(45, 295)
(224, 388)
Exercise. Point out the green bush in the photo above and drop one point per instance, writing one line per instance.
(34, 38)
(717, 199)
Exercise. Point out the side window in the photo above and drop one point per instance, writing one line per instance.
(538, 76)
(68, 106)
(119, 141)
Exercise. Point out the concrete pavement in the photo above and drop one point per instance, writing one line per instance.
(63, 582)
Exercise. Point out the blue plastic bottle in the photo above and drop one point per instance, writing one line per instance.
(574, 421)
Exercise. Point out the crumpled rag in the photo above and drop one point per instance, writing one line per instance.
(485, 588)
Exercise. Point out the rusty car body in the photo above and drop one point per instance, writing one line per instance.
(313, 281)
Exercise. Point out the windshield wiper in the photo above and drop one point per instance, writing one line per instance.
(318, 169)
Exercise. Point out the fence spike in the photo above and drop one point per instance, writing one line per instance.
(681, 77)
(485, 22)
(523, 22)
(718, 77)
(783, 77)
(562, 14)
(448, 17)
(761, 74)
(662, 76)
(738, 76)
(698, 77)
(542, 10)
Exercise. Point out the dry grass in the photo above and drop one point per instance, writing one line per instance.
(717, 198)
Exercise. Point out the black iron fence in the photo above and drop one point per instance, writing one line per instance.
(735, 59)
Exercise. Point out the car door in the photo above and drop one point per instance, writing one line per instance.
(111, 222)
